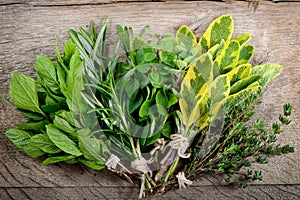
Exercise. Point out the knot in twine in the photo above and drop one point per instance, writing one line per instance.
(180, 143)
(182, 180)
(159, 145)
(142, 166)
(112, 162)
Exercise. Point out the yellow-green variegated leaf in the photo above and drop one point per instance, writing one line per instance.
(229, 56)
(219, 89)
(219, 92)
(244, 83)
(220, 28)
(186, 37)
(243, 39)
(246, 54)
(217, 48)
(194, 91)
(238, 73)
(191, 106)
(204, 66)
(137, 43)
(243, 94)
(267, 71)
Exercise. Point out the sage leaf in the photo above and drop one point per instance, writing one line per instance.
(243, 39)
(267, 71)
(186, 38)
(242, 84)
(220, 28)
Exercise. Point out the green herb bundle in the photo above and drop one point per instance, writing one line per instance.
(162, 110)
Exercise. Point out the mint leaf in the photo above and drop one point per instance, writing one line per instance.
(62, 141)
(47, 73)
(91, 149)
(21, 139)
(36, 126)
(43, 142)
(92, 164)
(57, 159)
(22, 90)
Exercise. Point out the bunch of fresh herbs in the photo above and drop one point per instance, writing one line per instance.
(164, 105)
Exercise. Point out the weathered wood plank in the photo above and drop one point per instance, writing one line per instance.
(26, 31)
(278, 192)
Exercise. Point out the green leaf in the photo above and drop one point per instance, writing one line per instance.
(161, 99)
(220, 89)
(32, 151)
(62, 141)
(93, 149)
(42, 141)
(63, 124)
(22, 90)
(238, 73)
(70, 117)
(167, 129)
(152, 139)
(47, 73)
(242, 84)
(21, 139)
(148, 57)
(92, 164)
(243, 39)
(69, 50)
(57, 159)
(75, 85)
(135, 104)
(36, 126)
(52, 108)
(167, 58)
(229, 56)
(145, 108)
(243, 94)
(137, 43)
(172, 99)
(31, 115)
(246, 54)
(167, 44)
(220, 28)
(186, 37)
(267, 71)
(216, 48)
(194, 91)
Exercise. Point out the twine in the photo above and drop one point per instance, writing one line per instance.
(159, 145)
(182, 180)
(180, 143)
(141, 165)
(112, 162)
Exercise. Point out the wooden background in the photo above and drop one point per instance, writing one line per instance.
(29, 27)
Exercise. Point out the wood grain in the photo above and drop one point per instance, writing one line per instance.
(274, 192)
(29, 28)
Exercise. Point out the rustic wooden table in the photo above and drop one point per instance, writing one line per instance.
(29, 27)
